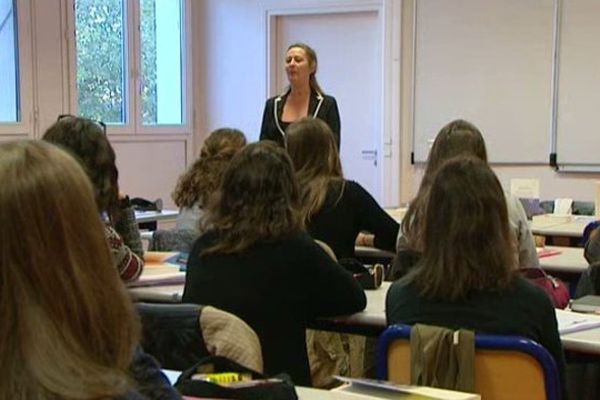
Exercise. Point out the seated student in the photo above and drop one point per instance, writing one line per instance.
(467, 274)
(86, 140)
(203, 177)
(70, 331)
(194, 189)
(457, 138)
(334, 209)
(258, 263)
(589, 282)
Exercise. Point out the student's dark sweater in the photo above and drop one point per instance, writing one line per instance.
(275, 287)
(338, 222)
(522, 309)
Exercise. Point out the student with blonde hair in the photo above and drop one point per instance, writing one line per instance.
(70, 331)
(87, 142)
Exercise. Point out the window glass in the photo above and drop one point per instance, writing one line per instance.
(101, 59)
(161, 38)
(9, 63)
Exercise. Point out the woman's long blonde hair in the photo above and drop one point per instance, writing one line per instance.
(313, 151)
(69, 328)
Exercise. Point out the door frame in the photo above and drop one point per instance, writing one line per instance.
(389, 13)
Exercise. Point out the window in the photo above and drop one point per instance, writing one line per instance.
(9, 63)
(101, 62)
(160, 32)
(130, 77)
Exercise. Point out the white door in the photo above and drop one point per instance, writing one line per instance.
(349, 51)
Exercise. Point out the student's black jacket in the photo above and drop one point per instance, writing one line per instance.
(276, 287)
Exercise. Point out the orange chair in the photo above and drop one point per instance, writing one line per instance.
(506, 367)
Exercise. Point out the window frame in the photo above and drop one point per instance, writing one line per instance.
(134, 124)
(25, 126)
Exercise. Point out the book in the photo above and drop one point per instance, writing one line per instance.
(160, 268)
(586, 304)
(569, 322)
(361, 388)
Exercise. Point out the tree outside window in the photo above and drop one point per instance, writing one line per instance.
(103, 59)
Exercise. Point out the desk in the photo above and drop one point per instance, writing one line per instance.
(151, 216)
(557, 226)
(570, 260)
(373, 255)
(371, 321)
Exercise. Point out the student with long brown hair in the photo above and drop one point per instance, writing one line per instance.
(467, 275)
(258, 263)
(87, 142)
(70, 331)
(202, 178)
(334, 209)
(458, 138)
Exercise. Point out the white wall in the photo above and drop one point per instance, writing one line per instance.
(578, 186)
(229, 89)
(230, 65)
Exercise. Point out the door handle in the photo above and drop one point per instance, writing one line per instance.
(369, 155)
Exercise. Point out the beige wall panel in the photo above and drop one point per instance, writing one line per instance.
(150, 169)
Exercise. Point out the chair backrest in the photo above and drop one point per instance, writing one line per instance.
(171, 334)
(173, 240)
(180, 335)
(587, 231)
(506, 367)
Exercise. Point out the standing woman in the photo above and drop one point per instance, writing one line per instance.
(335, 210)
(258, 263)
(87, 142)
(70, 330)
(302, 98)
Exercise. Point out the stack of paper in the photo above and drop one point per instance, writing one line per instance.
(569, 321)
(365, 389)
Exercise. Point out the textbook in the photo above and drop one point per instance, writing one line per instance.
(160, 268)
(370, 389)
(586, 304)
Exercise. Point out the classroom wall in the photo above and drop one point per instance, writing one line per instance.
(233, 49)
(579, 186)
(229, 82)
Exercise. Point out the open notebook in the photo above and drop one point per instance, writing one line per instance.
(569, 322)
